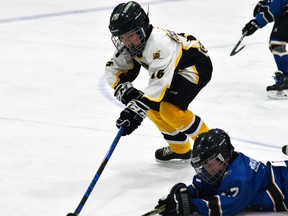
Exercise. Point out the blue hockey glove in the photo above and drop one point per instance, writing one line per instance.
(250, 27)
(177, 202)
(125, 92)
(132, 116)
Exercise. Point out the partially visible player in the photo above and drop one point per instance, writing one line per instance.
(227, 182)
(178, 66)
(267, 11)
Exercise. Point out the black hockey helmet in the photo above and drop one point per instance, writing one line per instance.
(212, 145)
(125, 18)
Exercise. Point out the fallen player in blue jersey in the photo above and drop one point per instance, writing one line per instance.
(227, 182)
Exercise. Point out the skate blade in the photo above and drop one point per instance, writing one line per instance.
(279, 95)
(174, 161)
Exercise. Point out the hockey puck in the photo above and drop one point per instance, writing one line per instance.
(285, 149)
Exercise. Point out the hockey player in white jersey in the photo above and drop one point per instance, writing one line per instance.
(178, 66)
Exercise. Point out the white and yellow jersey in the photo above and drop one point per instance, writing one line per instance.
(165, 54)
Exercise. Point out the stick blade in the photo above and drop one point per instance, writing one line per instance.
(285, 149)
(72, 214)
(234, 51)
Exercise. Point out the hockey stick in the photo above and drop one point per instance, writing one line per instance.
(155, 211)
(98, 173)
(285, 149)
(235, 51)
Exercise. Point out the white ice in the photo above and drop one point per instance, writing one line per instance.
(57, 114)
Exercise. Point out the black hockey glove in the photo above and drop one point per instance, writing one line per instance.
(178, 202)
(132, 116)
(260, 7)
(250, 27)
(125, 92)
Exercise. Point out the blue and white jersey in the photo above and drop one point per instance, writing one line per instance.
(247, 183)
(267, 11)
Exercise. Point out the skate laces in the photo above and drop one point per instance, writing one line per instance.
(167, 151)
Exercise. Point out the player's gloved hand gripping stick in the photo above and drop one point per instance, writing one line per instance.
(99, 171)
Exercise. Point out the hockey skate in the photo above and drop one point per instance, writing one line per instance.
(165, 155)
(280, 89)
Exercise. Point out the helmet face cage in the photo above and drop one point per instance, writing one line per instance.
(131, 48)
(212, 169)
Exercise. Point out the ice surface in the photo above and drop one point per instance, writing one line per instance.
(57, 114)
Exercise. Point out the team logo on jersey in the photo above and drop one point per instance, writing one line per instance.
(156, 55)
(254, 164)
